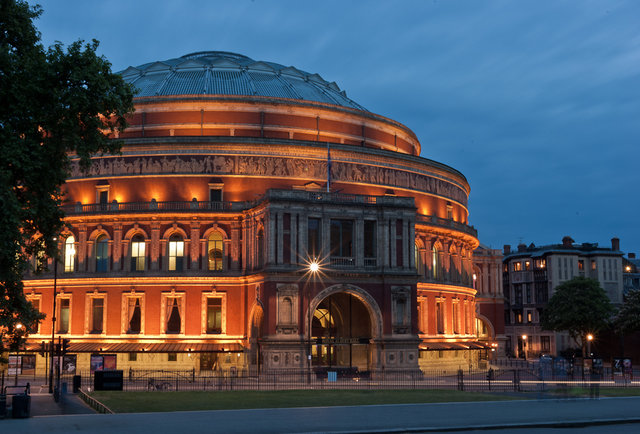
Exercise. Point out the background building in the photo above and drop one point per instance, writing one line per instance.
(630, 273)
(487, 278)
(191, 250)
(530, 276)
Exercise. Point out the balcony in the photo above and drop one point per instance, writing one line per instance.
(447, 223)
(154, 206)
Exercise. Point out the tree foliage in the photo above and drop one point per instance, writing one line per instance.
(628, 318)
(57, 104)
(579, 306)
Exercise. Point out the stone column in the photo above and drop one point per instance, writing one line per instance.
(195, 244)
(155, 246)
(117, 247)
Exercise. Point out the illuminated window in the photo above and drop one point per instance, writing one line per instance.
(435, 263)
(517, 266)
(69, 254)
(137, 253)
(176, 253)
(215, 249)
(214, 315)
(63, 315)
(529, 316)
(527, 265)
(580, 264)
(102, 253)
(418, 260)
(593, 264)
(449, 211)
(540, 263)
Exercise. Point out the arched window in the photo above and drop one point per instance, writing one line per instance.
(176, 252)
(418, 260)
(102, 253)
(69, 254)
(435, 263)
(215, 249)
(137, 253)
(260, 249)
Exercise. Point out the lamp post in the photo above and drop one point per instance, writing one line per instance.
(53, 319)
(589, 339)
(18, 338)
(524, 346)
(314, 267)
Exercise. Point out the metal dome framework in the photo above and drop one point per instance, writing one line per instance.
(225, 73)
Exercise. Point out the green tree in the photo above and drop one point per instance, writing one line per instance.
(57, 104)
(579, 306)
(628, 318)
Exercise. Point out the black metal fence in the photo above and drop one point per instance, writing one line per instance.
(522, 379)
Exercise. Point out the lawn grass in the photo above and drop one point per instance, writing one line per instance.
(141, 402)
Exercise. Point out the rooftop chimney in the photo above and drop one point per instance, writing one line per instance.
(522, 247)
(632, 256)
(507, 249)
(567, 241)
(615, 243)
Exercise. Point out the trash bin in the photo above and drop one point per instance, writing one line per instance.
(3, 405)
(77, 383)
(21, 407)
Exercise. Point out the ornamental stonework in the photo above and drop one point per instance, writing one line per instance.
(270, 166)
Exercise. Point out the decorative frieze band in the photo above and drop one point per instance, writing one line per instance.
(273, 167)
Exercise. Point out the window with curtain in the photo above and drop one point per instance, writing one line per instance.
(176, 253)
(134, 315)
(69, 254)
(63, 315)
(173, 320)
(137, 253)
(215, 251)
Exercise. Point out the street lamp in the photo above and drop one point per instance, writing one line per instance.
(18, 340)
(524, 346)
(53, 317)
(589, 339)
(314, 268)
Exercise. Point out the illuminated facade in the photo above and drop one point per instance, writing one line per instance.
(487, 278)
(191, 249)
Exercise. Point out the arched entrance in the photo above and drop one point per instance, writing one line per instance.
(344, 322)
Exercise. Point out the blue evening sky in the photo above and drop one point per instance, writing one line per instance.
(536, 102)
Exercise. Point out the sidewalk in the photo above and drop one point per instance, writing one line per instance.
(42, 404)
(463, 416)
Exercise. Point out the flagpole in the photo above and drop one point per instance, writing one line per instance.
(328, 168)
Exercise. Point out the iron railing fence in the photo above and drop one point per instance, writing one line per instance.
(495, 379)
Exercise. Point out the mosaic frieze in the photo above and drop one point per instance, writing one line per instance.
(268, 166)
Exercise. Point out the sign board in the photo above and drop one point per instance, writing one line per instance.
(108, 380)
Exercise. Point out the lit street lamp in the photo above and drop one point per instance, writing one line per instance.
(314, 267)
(18, 339)
(589, 339)
(524, 346)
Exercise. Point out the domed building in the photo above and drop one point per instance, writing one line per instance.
(258, 218)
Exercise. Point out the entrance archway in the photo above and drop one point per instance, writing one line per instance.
(345, 321)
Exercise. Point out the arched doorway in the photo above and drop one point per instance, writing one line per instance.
(341, 332)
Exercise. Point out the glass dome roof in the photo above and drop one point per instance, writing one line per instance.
(224, 73)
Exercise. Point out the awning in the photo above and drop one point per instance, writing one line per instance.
(146, 347)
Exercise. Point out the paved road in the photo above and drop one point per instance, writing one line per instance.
(384, 418)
